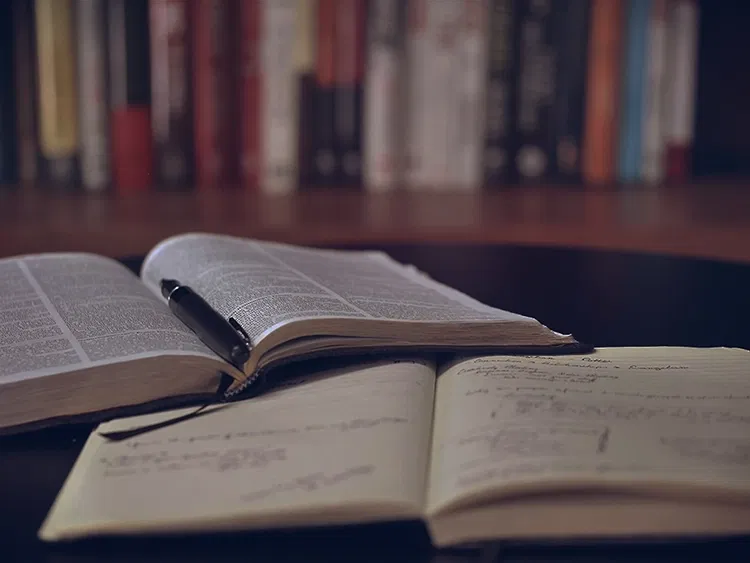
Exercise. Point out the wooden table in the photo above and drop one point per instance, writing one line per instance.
(627, 280)
(710, 219)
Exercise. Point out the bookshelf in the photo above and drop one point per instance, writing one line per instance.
(705, 220)
(705, 217)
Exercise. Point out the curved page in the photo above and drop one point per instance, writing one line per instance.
(341, 446)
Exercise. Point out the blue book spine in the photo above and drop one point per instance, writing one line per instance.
(634, 73)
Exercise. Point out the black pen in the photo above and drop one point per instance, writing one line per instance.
(226, 339)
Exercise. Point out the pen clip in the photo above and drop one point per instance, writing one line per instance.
(236, 326)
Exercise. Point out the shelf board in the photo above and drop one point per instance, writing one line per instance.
(703, 220)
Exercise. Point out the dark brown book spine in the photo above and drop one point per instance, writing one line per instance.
(8, 129)
(537, 61)
(305, 60)
(24, 57)
(215, 92)
(500, 110)
(171, 92)
(249, 86)
(325, 163)
(351, 18)
(572, 34)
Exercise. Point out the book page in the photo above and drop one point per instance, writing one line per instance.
(664, 419)
(63, 312)
(264, 284)
(347, 445)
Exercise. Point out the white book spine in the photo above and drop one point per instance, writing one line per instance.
(683, 36)
(279, 96)
(383, 96)
(653, 162)
(472, 69)
(442, 96)
(92, 93)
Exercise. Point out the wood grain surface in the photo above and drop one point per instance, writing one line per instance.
(704, 220)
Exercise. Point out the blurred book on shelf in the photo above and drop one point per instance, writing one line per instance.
(278, 96)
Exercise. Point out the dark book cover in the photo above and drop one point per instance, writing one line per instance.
(572, 22)
(325, 165)
(536, 87)
(500, 110)
(306, 65)
(8, 127)
(24, 57)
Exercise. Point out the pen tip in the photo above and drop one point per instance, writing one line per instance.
(168, 286)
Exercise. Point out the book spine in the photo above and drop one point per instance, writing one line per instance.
(603, 93)
(171, 94)
(59, 136)
(383, 95)
(653, 142)
(441, 93)
(417, 50)
(305, 68)
(680, 119)
(249, 105)
(278, 135)
(214, 91)
(632, 89)
(570, 97)
(537, 61)
(471, 67)
(92, 90)
(25, 86)
(130, 95)
(326, 165)
(8, 129)
(500, 94)
(349, 71)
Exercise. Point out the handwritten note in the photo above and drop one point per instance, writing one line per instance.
(310, 482)
(214, 460)
(654, 414)
(350, 438)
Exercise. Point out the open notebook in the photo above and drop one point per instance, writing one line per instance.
(650, 442)
(83, 337)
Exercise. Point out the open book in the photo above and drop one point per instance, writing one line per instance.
(80, 334)
(649, 442)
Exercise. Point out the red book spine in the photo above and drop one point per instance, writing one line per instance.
(132, 147)
(679, 162)
(214, 87)
(132, 150)
(250, 87)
